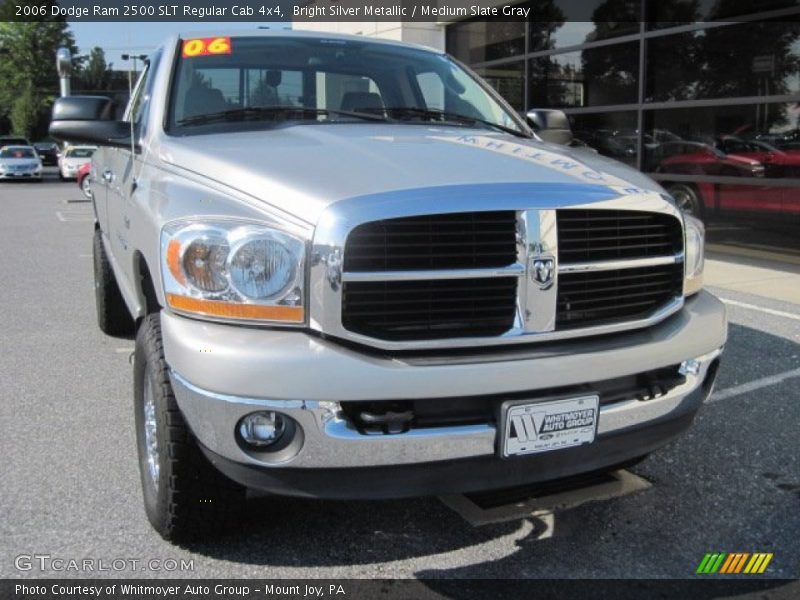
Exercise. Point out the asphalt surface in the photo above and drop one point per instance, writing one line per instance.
(69, 484)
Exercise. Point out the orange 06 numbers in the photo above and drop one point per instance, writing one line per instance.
(206, 47)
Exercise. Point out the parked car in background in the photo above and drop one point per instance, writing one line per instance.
(777, 162)
(48, 152)
(11, 140)
(84, 179)
(73, 159)
(697, 158)
(20, 162)
(744, 194)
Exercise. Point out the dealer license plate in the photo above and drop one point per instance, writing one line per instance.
(531, 427)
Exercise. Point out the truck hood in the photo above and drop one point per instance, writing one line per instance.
(302, 169)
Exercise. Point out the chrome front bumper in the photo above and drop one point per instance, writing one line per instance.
(221, 373)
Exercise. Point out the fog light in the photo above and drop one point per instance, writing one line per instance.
(262, 428)
(690, 367)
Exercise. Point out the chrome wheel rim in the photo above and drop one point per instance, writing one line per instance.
(150, 429)
(86, 186)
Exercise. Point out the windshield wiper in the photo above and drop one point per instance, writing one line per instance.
(443, 115)
(274, 112)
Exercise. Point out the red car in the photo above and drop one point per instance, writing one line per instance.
(84, 179)
(695, 158)
(778, 163)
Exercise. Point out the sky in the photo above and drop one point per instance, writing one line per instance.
(141, 38)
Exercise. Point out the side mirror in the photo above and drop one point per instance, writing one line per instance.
(550, 125)
(88, 120)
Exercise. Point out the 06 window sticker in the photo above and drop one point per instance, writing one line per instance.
(206, 47)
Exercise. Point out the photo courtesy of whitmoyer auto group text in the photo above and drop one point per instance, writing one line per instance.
(400, 299)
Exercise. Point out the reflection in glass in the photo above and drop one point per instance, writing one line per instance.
(611, 134)
(594, 77)
(671, 13)
(508, 80)
(714, 144)
(484, 40)
(746, 59)
(568, 23)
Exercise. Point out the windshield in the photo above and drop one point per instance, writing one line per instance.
(80, 152)
(11, 152)
(231, 84)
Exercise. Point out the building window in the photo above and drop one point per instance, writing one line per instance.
(481, 41)
(745, 59)
(508, 80)
(592, 77)
(661, 15)
(611, 134)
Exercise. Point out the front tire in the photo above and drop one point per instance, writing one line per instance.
(113, 317)
(184, 496)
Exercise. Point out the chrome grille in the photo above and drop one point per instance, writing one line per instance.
(478, 274)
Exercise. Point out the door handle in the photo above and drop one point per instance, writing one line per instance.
(108, 176)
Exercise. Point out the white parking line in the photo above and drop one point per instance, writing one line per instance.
(123, 350)
(73, 217)
(752, 386)
(769, 311)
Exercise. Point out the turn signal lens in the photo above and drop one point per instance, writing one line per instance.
(291, 314)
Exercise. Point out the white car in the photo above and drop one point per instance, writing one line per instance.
(73, 159)
(20, 162)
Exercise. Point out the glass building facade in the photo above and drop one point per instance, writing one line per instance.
(703, 95)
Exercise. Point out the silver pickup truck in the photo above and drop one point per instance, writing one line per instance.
(353, 271)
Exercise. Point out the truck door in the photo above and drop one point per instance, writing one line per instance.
(119, 175)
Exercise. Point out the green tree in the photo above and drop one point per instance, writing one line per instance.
(27, 66)
(24, 113)
(96, 74)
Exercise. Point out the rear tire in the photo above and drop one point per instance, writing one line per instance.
(185, 497)
(687, 199)
(113, 317)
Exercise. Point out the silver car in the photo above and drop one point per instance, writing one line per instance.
(354, 272)
(20, 162)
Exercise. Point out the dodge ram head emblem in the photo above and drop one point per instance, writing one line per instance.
(542, 270)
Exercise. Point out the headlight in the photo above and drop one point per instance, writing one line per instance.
(694, 259)
(233, 270)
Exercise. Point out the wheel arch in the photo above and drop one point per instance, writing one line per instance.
(145, 284)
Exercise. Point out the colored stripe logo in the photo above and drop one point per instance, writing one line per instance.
(729, 563)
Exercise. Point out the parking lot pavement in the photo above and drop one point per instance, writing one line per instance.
(70, 486)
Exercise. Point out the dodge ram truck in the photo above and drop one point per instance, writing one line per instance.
(353, 271)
